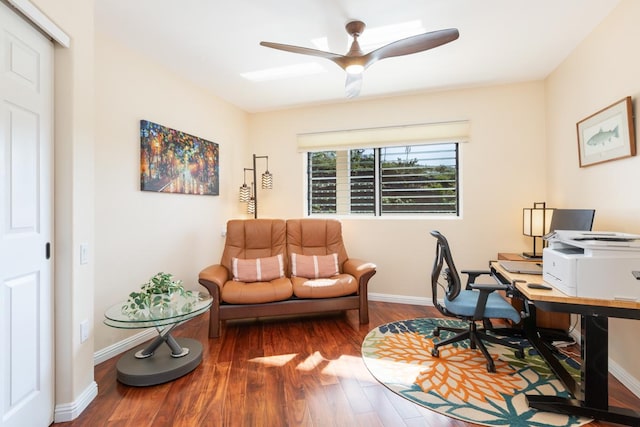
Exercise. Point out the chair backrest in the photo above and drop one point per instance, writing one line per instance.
(311, 236)
(444, 262)
(254, 238)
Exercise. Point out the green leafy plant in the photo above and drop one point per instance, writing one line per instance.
(157, 294)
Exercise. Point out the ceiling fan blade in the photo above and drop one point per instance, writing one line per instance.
(354, 62)
(353, 85)
(413, 44)
(303, 50)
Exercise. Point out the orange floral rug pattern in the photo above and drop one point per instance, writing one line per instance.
(457, 383)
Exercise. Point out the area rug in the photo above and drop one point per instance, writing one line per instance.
(457, 383)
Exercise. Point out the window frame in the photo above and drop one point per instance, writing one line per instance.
(378, 209)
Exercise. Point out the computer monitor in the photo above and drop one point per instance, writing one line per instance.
(572, 219)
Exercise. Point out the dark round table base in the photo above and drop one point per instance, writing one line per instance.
(159, 368)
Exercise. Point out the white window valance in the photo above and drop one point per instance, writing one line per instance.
(457, 131)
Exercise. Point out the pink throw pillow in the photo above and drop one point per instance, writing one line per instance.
(314, 266)
(257, 270)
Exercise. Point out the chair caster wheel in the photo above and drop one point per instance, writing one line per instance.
(436, 332)
(435, 352)
(520, 354)
(491, 368)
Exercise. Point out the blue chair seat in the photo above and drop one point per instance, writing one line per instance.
(497, 307)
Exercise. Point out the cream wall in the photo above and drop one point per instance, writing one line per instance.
(603, 70)
(139, 233)
(502, 171)
(74, 197)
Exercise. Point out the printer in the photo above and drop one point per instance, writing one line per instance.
(593, 264)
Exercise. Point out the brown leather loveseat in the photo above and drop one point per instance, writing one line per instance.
(273, 267)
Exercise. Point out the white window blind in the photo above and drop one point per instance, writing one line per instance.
(457, 131)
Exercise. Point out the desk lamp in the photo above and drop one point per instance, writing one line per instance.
(535, 223)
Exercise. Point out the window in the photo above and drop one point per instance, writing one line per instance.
(411, 179)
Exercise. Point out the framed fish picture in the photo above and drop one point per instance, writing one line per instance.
(607, 135)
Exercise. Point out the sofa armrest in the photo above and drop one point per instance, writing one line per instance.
(362, 271)
(358, 268)
(213, 278)
(214, 274)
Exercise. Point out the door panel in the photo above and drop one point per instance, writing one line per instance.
(26, 218)
(23, 175)
(23, 338)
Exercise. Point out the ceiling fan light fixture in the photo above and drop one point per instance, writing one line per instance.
(354, 69)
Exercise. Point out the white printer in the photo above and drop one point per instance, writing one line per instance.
(593, 264)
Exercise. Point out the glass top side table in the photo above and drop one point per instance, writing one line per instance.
(181, 356)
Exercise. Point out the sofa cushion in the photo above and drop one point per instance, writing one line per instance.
(254, 238)
(336, 286)
(234, 292)
(314, 266)
(257, 270)
(314, 236)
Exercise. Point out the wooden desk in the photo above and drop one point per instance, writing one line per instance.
(591, 395)
(508, 256)
(545, 319)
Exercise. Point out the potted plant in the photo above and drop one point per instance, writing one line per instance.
(158, 295)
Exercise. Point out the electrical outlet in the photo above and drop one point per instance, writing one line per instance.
(84, 253)
(84, 331)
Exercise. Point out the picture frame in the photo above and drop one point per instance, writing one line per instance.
(172, 161)
(607, 135)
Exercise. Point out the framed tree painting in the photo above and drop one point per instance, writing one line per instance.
(607, 135)
(172, 161)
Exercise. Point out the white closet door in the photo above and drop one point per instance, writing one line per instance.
(26, 218)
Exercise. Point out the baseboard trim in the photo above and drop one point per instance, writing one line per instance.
(124, 345)
(400, 299)
(70, 411)
(628, 380)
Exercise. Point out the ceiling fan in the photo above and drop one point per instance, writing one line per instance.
(356, 61)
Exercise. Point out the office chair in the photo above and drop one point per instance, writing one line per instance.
(477, 302)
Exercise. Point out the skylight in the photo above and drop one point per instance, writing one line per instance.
(277, 73)
(375, 37)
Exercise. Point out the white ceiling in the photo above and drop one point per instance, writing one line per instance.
(211, 42)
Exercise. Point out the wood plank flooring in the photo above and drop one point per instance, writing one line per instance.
(281, 372)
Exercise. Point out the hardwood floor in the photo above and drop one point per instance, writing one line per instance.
(293, 372)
